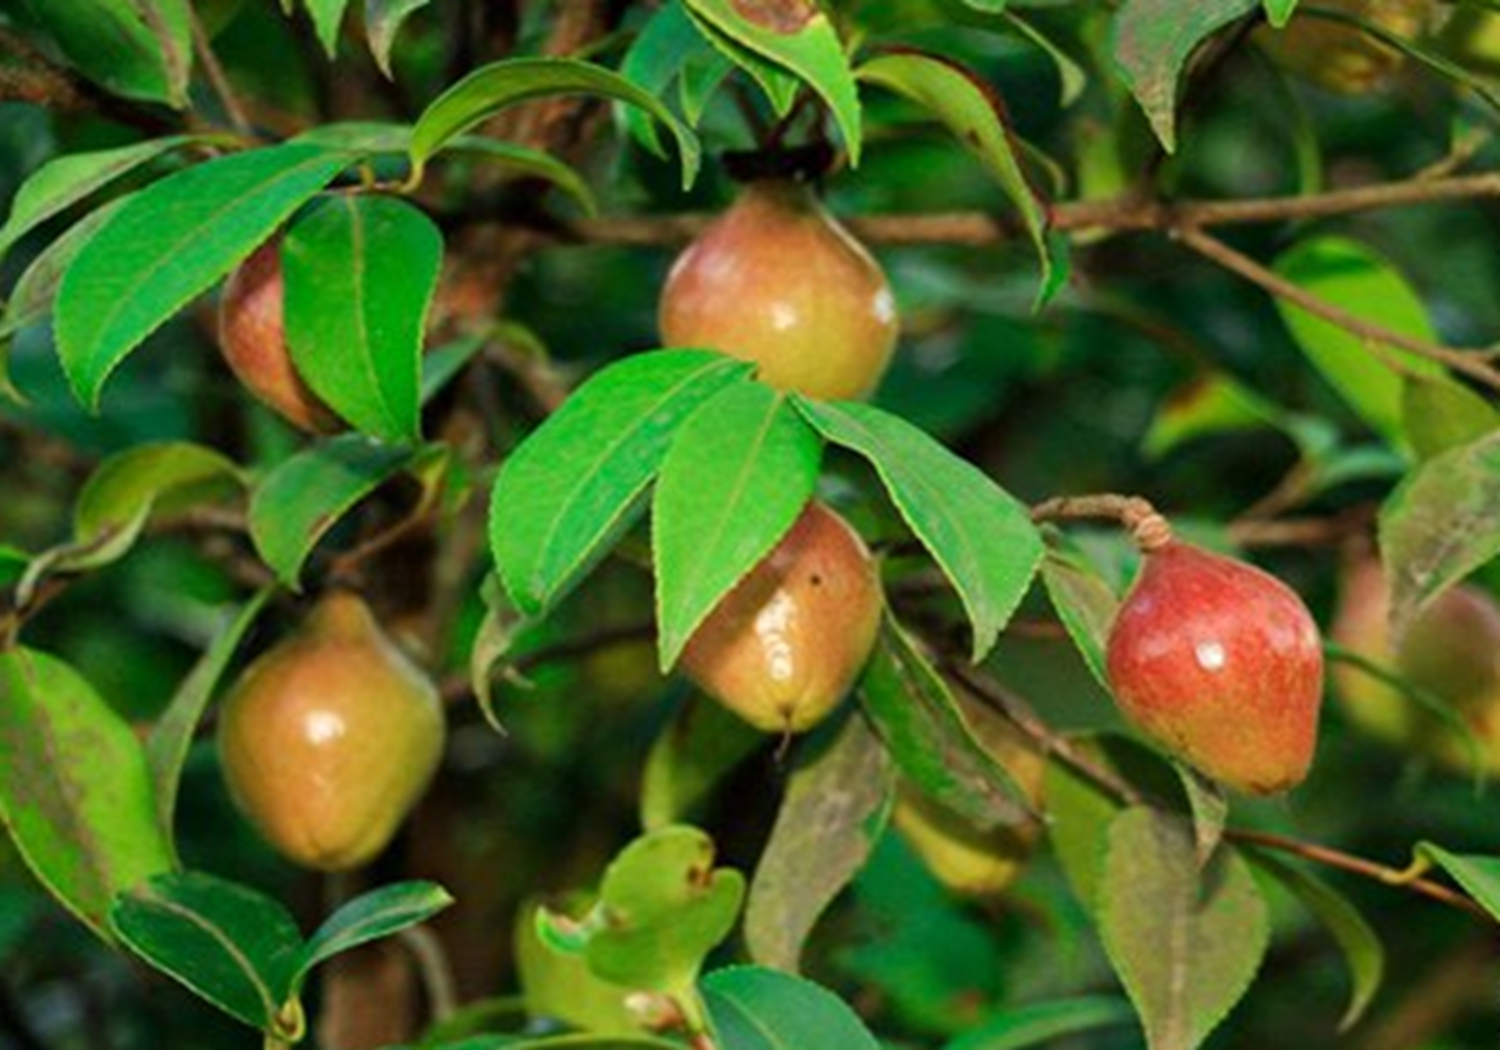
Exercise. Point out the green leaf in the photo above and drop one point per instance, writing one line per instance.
(494, 87)
(737, 475)
(327, 17)
(1210, 405)
(701, 746)
(1441, 524)
(981, 537)
(304, 497)
(559, 986)
(1084, 602)
(172, 735)
(1439, 414)
(835, 809)
(233, 946)
(779, 85)
(370, 917)
(170, 242)
(139, 49)
(443, 364)
(575, 485)
(797, 36)
(1038, 1024)
(1359, 943)
(360, 272)
(1479, 876)
(664, 907)
(1352, 277)
(661, 52)
(971, 110)
(757, 1009)
(65, 181)
(383, 20)
(1209, 807)
(1185, 941)
(1152, 42)
(76, 795)
(931, 738)
(1279, 12)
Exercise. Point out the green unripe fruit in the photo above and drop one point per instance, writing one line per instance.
(777, 281)
(786, 644)
(330, 737)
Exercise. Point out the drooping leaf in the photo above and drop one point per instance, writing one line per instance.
(360, 272)
(738, 473)
(172, 735)
(752, 1008)
(139, 49)
(981, 536)
(930, 738)
(76, 796)
(232, 945)
(1478, 875)
(576, 483)
(799, 37)
(1279, 12)
(1153, 40)
(1353, 277)
(1186, 942)
(835, 809)
(779, 85)
(698, 748)
(370, 917)
(65, 181)
(1039, 1024)
(1084, 602)
(494, 87)
(1439, 525)
(977, 118)
(302, 498)
(1358, 942)
(666, 45)
(383, 21)
(327, 18)
(170, 242)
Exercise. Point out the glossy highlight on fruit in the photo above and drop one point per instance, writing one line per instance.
(1451, 651)
(786, 644)
(777, 281)
(252, 337)
(968, 860)
(1222, 664)
(330, 737)
(1343, 57)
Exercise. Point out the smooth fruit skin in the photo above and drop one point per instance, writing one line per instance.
(1343, 58)
(777, 281)
(970, 861)
(252, 337)
(785, 645)
(1223, 665)
(330, 737)
(1451, 650)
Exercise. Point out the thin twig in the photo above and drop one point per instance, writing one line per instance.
(217, 79)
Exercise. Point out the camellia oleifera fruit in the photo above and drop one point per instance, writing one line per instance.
(330, 737)
(252, 337)
(1343, 57)
(967, 859)
(1222, 664)
(1451, 651)
(777, 281)
(785, 645)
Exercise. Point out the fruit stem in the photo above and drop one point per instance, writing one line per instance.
(1148, 528)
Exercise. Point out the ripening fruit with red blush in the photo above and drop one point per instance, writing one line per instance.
(785, 645)
(252, 337)
(1222, 664)
(779, 282)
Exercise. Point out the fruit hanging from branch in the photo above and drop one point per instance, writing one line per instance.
(786, 644)
(1221, 663)
(1451, 652)
(780, 282)
(330, 737)
(252, 337)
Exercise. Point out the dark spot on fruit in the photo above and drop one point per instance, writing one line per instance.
(816, 580)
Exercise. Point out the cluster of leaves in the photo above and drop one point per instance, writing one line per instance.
(121, 240)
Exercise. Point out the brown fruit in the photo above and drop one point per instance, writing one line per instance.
(786, 644)
(1451, 650)
(966, 859)
(777, 281)
(252, 337)
(330, 737)
(1222, 664)
(1342, 57)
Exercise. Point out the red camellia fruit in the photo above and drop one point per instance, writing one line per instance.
(1223, 665)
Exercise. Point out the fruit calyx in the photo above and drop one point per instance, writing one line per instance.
(786, 644)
